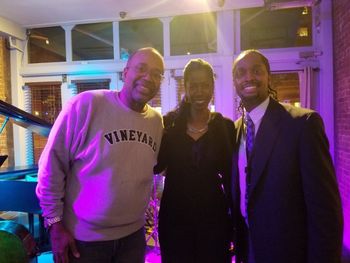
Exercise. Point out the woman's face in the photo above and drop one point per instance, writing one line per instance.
(199, 89)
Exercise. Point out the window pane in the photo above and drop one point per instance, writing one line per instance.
(180, 91)
(261, 28)
(46, 45)
(46, 104)
(135, 34)
(287, 87)
(93, 84)
(6, 135)
(193, 34)
(93, 41)
(156, 102)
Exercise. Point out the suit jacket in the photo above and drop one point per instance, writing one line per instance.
(294, 210)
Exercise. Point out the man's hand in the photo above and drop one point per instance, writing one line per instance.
(62, 242)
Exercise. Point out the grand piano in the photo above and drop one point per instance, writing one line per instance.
(17, 184)
(25, 120)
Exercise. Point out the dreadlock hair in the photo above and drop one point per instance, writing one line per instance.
(272, 92)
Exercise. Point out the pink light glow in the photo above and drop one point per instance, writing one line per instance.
(153, 255)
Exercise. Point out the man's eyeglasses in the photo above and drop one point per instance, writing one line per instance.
(143, 69)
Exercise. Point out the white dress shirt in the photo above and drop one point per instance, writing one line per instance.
(256, 115)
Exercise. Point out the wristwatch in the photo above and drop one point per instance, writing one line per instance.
(49, 221)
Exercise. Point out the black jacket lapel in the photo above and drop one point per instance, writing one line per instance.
(265, 141)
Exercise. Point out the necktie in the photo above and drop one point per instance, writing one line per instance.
(250, 133)
(249, 136)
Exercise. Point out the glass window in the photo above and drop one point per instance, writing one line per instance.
(287, 87)
(135, 34)
(6, 130)
(261, 28)
(156, 102)
(180, 91)
(46, 104)
(92, 41)
(46, 45)
(93, 84)
(193, 34)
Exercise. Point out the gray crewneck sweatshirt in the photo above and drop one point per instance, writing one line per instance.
(97, 167)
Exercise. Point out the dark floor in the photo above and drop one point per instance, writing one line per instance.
(153, 257)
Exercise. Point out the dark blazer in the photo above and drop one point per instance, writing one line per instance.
(294, 209)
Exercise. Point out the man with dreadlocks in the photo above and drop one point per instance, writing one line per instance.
(286, 200)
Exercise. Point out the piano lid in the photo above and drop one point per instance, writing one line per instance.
(25, 119)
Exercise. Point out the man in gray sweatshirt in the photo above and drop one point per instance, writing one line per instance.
(95, 173)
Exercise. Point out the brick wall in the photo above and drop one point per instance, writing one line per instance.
(6, 137)
(341, 46)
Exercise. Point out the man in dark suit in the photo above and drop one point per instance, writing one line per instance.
(285, 194)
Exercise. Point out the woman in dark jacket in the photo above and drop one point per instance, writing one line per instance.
(196, 154)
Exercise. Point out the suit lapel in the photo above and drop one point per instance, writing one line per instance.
(265, 141)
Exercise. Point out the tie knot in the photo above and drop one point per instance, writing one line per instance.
(248, 120)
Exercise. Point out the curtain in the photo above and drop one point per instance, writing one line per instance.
(306, 80)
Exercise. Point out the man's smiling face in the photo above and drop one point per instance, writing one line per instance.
(251, 79)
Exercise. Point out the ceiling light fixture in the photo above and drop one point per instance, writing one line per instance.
(305, 11)
(35, 35)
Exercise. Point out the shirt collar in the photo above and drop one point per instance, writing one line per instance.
(258, 112)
